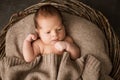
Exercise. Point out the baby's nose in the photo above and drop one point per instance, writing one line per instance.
(54, 34)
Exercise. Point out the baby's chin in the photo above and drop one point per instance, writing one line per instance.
(53, 42)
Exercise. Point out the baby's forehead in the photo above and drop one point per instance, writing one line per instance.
(44, 21)
(48, 19)
(49, 16)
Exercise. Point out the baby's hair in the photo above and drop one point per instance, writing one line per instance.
(46, 10)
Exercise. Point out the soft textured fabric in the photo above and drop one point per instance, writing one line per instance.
(46, 67)
(50, 67)
(88, 36)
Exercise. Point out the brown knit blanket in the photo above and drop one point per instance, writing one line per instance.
(50, 67)
(46, 67)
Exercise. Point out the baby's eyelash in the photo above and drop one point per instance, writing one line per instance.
(48, 32)
(59, 29)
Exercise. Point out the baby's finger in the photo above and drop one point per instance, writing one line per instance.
(34, 36)
(59, 48)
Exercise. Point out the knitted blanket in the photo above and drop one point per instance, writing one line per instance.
(46, 67)
(51, 67)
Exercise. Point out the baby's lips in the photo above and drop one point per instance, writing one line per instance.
(54, 41)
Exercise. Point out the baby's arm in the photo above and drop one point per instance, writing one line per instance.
(72, 48)
(69, 46)
(30, 48)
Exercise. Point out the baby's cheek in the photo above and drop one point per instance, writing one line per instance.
(62, 36)
(44, 38)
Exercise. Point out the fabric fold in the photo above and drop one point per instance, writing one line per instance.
(70, 69)
(45, 67)
(50, 67)
(42, 68)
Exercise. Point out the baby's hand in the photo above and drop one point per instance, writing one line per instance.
(31, 37)
(61, 45)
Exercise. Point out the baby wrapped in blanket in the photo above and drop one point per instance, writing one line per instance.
(56, 56)
(51, 38)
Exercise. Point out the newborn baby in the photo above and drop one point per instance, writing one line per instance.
(50, 37)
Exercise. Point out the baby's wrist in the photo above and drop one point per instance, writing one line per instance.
(27, 41)
(67, 45)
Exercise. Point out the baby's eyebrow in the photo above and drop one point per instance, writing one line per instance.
(60, 25)
(39, 27)
(47, 30)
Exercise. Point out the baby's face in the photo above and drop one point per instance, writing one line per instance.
(51, 29)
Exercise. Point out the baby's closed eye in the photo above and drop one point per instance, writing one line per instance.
(48, 32)
(59, 29)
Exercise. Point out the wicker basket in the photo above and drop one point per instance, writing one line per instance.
(74, 7)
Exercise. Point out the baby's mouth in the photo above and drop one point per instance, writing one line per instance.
(54, 41)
